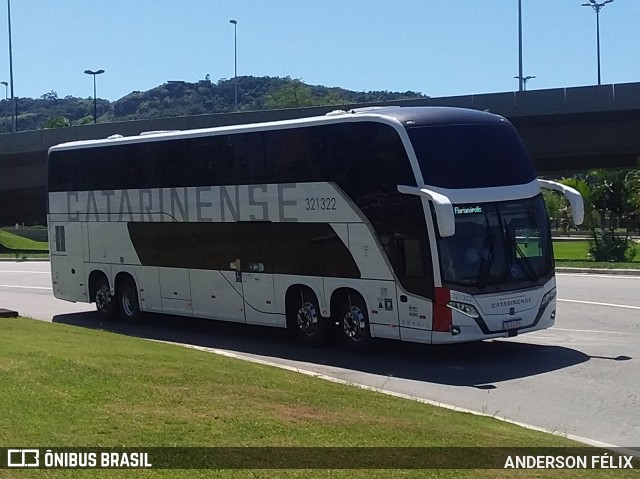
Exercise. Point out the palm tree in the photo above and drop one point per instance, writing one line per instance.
(613, 197)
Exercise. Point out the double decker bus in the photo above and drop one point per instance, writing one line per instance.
(422, 224)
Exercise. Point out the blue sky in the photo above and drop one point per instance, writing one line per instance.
(437, 47)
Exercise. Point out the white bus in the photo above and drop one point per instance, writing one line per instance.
(421, 224)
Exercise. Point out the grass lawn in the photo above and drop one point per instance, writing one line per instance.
(571, 250)
(68, 386)
(17, 247)
(12, 241)
(574, 254)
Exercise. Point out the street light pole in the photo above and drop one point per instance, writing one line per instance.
(14, 106)
(524, 81)
(235, 58)
(597, 7)
(520, 79)
(95, 105)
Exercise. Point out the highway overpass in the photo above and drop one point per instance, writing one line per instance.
(564, 129)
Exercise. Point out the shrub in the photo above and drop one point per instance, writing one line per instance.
(607, 245)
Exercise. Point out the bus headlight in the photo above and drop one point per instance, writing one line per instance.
(464, 308)
(547, 298)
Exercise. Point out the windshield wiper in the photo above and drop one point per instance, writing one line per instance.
(521, 259)
(524, 263)
(486, 260)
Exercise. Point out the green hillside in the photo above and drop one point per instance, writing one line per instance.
(181, 98)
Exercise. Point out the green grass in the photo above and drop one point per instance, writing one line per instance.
(68, 386)
(15, 242)
(574, 253)
(18, 247)
(571, 250)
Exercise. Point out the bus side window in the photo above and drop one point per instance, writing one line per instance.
(294, 156)
(410, 252)
(412, 262)
(249, 158)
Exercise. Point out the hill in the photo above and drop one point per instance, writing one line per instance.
(180, 98)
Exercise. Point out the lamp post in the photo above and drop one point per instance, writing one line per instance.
(235, 58)
(6, 96)
(523, 82)
(597, 7)
(14, 106)
(95, 106)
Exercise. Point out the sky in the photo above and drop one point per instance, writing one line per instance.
(436, 47)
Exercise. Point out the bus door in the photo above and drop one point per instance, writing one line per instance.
(254, 267)
(259, 298)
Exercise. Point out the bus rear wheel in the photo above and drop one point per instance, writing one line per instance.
(127, 299)
(354, 324)
(104, 300)
(305, 319)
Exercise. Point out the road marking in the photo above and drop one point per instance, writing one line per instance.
(624, 306)
(23, 287)
(26, 272)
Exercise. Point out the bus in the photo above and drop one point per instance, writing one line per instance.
(421, 224)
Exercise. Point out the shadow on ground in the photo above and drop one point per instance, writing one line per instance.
(479, 365)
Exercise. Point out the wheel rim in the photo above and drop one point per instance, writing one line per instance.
(354, 324)
(307, 319)
(129, 302)
(103, 298)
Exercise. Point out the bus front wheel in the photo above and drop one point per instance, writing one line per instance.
(305, 319)
(354, 324)
(127, 298)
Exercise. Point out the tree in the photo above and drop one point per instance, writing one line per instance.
(616, 203)
(591, 216)
(56, 122)
(293, 94)
(611, 196)
(51, 96)
(559, 210)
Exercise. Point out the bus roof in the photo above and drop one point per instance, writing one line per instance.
(409, 117)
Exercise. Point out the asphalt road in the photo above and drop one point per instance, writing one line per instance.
(581, 377)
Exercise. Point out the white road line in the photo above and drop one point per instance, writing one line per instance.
(23, 287)
(624, 306)
(26, 272)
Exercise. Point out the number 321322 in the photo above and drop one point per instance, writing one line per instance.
(320, 204)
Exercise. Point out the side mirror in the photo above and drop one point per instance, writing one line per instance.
(572, 195)
(441, 204)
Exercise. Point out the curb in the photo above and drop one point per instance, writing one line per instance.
(612, 272)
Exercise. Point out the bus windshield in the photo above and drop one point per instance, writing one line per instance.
(502, 244)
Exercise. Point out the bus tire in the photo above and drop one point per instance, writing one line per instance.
(127, 300)
(104, 300)
(304, 317)
(354, 323)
